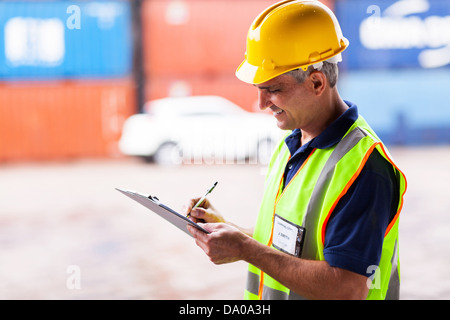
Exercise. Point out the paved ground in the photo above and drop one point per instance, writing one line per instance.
(65, 233)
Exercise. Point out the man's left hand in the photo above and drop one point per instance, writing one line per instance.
(224, 243)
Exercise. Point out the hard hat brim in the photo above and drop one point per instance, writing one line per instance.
(249, 73)
(252, 74)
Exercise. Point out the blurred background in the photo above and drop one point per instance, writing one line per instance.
(73, 72)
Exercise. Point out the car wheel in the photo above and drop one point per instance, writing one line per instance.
(264, 151)
(168, 154)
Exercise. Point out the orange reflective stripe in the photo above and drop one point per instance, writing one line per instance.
(344, 191)
(277, 199)
(261, 285)
(389, 227)
(296, 174)
(347, 186)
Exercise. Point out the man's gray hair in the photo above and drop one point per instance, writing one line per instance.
(329, 69)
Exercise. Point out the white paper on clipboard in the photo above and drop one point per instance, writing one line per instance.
(152, 203)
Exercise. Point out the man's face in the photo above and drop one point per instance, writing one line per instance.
(293, 104)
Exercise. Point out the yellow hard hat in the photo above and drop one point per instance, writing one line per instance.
(289, 35)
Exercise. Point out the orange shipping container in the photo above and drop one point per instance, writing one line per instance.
(59, 120)
(242, 94)
(193, 47)
(197, 37)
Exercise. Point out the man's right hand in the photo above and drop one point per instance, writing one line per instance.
(203, 213)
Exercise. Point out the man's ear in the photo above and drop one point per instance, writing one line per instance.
(319, 81)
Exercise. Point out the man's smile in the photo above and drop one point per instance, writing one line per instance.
(276, 111)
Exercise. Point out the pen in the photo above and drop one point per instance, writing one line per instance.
(199, 202)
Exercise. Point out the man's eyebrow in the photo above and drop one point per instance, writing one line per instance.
(264, 87)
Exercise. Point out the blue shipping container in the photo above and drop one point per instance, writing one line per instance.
(65, 40)
(395, 33)
(404, 106)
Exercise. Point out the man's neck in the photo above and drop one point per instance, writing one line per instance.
(336, 107)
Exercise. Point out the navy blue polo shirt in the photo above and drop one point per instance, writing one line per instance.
(355, 230)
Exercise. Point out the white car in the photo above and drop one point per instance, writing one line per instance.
(199, 129)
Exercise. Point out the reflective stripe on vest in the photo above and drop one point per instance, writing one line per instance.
(321, 189)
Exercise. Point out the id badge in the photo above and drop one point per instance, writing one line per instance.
(287, 236)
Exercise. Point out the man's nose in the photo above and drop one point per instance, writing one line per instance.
(263, 100)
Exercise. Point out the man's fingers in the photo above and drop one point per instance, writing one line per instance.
(198, 213)
(193, 230)
(189, 207)
(200, 237)
(196, 233)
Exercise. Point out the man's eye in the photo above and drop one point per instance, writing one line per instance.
(273, 90)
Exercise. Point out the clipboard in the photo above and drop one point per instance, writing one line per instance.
(153, 203)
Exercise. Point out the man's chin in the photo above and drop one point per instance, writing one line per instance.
(284, 126)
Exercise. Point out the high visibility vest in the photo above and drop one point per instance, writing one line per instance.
(310, 198)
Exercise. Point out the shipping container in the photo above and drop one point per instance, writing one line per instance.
(396, 68)
(193, 47)
(65, 39)
(83, 67)
(242, 94)
(197, 37)
(404, 106)
(59, 120)
(395, 34)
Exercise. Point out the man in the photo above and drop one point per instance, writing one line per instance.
(328, 222)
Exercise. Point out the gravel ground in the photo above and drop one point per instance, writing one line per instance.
(66, 233)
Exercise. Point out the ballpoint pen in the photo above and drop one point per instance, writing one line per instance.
(200, 201)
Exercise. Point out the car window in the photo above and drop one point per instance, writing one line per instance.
(192, 106)
(202, 114)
